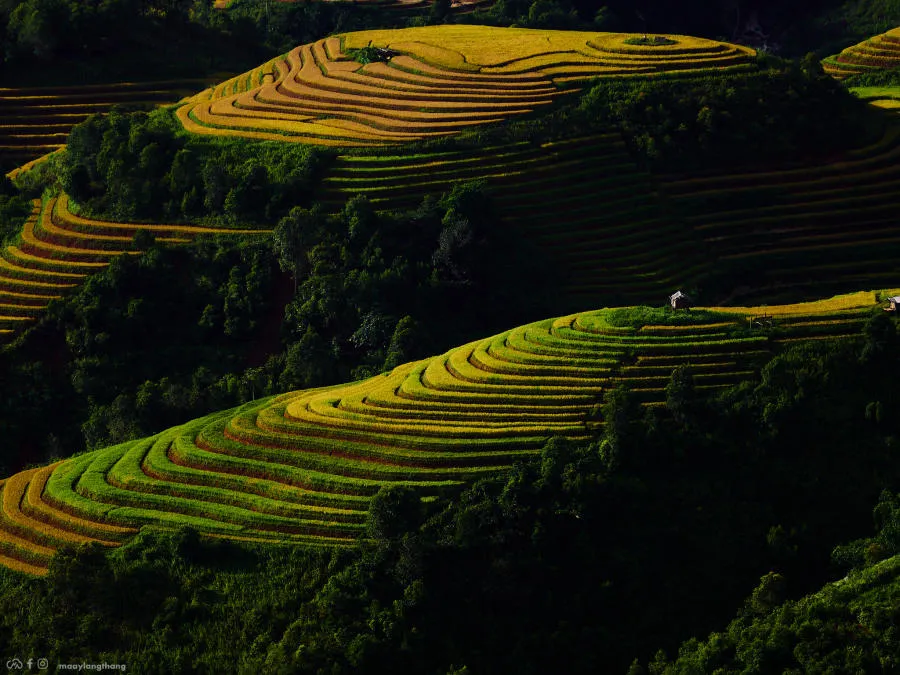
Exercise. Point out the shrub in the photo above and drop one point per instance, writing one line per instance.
(653, 41)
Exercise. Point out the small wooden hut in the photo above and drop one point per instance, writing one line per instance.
(385, 54)
(893, 304)
(679, 300)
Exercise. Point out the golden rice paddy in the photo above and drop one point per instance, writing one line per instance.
(439, 80)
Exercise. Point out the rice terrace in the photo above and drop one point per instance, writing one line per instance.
(450, 337)
(301, 467)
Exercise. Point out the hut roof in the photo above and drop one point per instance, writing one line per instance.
(895, 299)
(678, 294)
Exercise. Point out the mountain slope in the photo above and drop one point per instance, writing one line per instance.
(36, 120)
(57, 250)
(878, 52)
(433, 81)
(301, 467)
(819, 228)
(847, 626)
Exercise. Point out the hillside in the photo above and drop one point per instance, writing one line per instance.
(320, 96)
(436, 81)
(600, 254)
(824, 226)
(887, 97)
(279, 393)
(302, 466)
(881, 52)
(36, 120)
(844, 626)
(57, 250)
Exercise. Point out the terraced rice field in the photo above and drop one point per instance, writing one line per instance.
(57, 250)
(302, 467)
(823, 228)
(444, 79)
(584, 201)
(887, 98)
(835, 317)
(879, 52)
(35, 121)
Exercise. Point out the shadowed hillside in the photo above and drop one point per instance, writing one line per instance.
(302, 466)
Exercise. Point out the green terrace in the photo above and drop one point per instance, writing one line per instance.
(300, 468)
(880, 51)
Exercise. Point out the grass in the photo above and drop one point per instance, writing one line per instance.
(63, 525)
(875, 93)
(851, 301)
(486, 46)
(652, 41)
(159, 464)
(886, 98)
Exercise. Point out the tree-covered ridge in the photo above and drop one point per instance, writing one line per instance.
(850, 625)
(119, 40)
(137, 167)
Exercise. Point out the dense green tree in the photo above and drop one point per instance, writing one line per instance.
(14, 210)
(681, 395)
(549, 14)
(407, 335)
(40, 28)
(393, 511)
(361, 219)
(618, 413)
(440, 9)
(308, 363)
(140, 167)
(293, 238)
(880, 347)
(704, 122)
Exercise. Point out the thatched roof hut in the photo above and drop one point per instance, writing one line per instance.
(679, 300)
